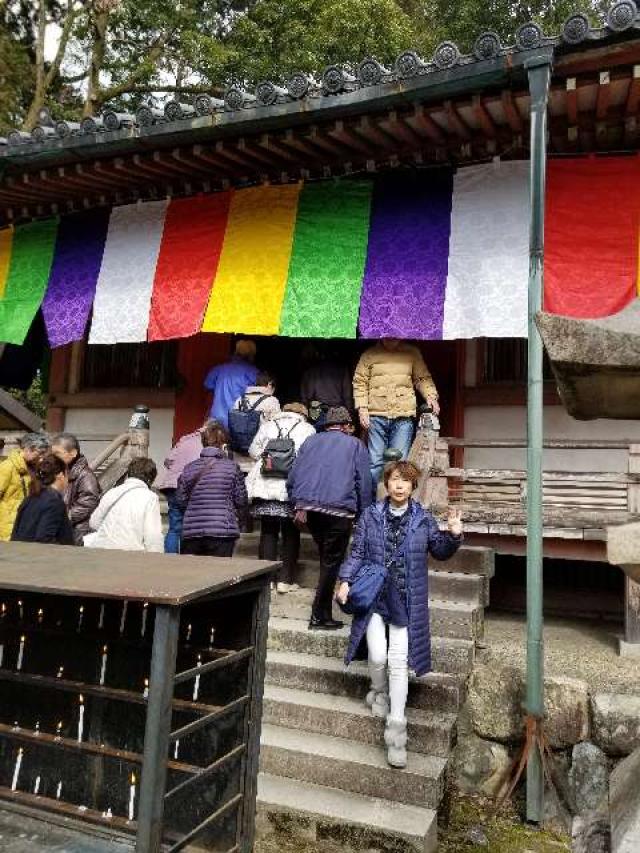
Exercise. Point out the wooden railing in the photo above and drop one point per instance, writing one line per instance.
(498, 496)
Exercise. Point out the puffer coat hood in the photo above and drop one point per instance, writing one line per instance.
(212, 494)
(423, 537)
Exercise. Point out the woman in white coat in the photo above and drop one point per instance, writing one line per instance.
(128, 516)
(268, 495)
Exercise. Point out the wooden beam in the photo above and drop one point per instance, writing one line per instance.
(317, 138)
(272, 144)
(572, 100)
(239, 158)
(346, 136)
(510, 108)
(633, 92)
(483, 117)
(372, 131)
(208, 156)
(604, 95)
(395, 126)
(422, 122)
(455, 122)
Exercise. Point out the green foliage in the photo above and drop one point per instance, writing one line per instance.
(16, 80)
(34, 398)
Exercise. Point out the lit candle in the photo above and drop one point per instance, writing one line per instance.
(103, 668)
(40, 618)
(80, 617)
(81, 719)
(196, 683)
(101, 616)
(21, 610)
(109, 813)
(36, 787)
(145, 692)
(3, 610)
(175, 749)
(212, 634)
(59, 730)
(15, 725)
(132, 796)
(188, 633)
(60, 672)
(16, 770)
(123, 618)
(58, 790)
(37, 728)
(143, 627)
(20, 653)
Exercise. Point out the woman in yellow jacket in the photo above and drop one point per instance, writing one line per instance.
(15, 479)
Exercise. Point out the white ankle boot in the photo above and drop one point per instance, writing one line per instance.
(395, 737)
(378, 701)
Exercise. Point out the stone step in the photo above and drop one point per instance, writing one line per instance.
(351, 766)
(301, 811)
(430, 733)
(456, 620)
(435, 692)
(447, 655)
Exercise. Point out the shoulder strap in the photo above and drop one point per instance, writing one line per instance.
(257, 403)
(291, 429)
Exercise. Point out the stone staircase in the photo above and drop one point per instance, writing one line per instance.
(324, 775)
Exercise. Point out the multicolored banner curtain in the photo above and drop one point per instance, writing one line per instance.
(27, 276)
(426, 254)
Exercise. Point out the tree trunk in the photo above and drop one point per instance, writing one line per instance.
(98, 50)
(39, 93)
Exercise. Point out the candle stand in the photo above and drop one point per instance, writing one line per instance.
(131, 694)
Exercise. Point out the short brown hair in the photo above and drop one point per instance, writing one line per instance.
(407, 470)
(143, 469)
(47, 469)
(214, 435)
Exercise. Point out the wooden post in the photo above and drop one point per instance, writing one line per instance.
(631, 644)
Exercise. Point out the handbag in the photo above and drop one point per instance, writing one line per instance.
(366, 585)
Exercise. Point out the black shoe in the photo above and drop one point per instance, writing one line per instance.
(316, 624)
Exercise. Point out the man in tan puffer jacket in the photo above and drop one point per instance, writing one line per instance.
(384, 385)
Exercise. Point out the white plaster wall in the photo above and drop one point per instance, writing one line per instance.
(496, 422)
(97, 427)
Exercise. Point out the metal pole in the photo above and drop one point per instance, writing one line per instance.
(539, 71)
(157, 730)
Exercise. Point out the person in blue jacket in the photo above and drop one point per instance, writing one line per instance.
(330, 485)
(230, 380)
(397, 533)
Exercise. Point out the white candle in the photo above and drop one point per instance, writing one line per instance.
(188, 633)
(132, 796)
(101, 617)
(37, 728)
(58, 790)
(1, 653)
(16, 770)
(20, 653)
(3, 610)
(103, 669)
(123, 618)
(60, 672)
(175, 749)
(59, 730)
(80, 617)
(40, 616)
(36, 787)
(211, 637)
(109, 813)
(145, 692)
(21, 609)
(143, 627)
(81, 719)
(196, 683)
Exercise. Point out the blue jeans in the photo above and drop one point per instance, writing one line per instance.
(174, 533)
(383, 434)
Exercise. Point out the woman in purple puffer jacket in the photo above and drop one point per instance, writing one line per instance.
(212, 495)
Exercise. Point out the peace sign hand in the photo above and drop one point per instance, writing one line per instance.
(454, 520)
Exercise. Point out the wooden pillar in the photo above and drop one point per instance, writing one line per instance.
(631, 644)
(58, 384)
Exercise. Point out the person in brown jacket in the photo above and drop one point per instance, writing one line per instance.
(384, 391)
(82, 494)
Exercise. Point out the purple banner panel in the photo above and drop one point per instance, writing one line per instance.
(74, 273)
(406, 272)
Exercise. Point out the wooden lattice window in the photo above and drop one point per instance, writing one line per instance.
(505, 360)
(144, 365)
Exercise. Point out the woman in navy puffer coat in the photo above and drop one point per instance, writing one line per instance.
(398, 534)
(212, 495)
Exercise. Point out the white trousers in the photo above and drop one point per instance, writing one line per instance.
(395, 658)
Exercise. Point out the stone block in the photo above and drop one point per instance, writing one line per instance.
(624, 802)
(480, 766)
(616, 722)
(588, 777)
(495, 699)
(591, 833)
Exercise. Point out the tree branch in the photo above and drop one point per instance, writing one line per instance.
(138, 74)
(65, 35)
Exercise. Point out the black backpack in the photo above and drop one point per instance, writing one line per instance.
(244, 424)
(278, 455)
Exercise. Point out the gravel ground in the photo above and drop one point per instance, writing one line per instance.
(574, 648)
